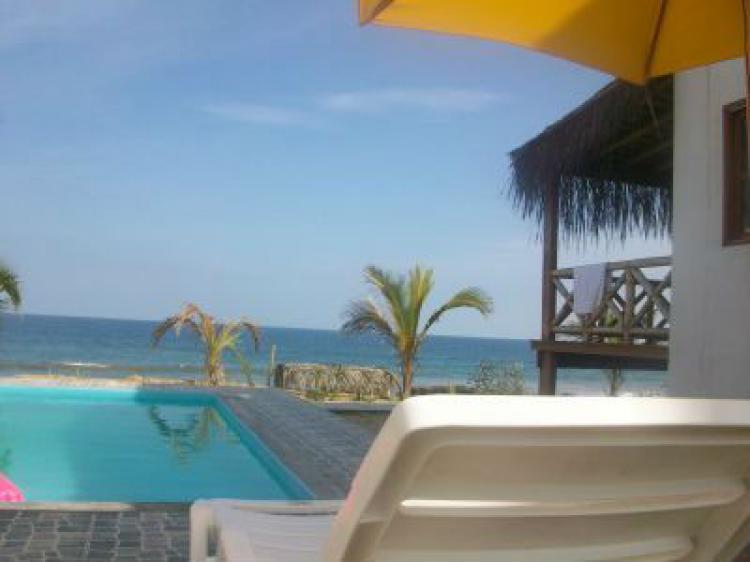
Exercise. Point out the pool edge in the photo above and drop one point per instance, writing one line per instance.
(289, 476)
(93, 506)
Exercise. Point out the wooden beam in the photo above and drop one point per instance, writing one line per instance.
(661, 261)
(642, 351)
(653, 151)
(629, 305)
(599, 362)
(567, 307)
(654, 294)
(636, 135)
(547, 361)
(613, 332)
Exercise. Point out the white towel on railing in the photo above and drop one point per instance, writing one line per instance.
(588, 287)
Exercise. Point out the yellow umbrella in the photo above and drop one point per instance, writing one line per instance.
(631, 39)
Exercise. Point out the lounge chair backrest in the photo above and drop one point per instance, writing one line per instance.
(469, 478)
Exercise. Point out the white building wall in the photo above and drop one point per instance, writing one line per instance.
(710, 335)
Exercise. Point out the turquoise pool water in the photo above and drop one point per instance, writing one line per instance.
(133, 446)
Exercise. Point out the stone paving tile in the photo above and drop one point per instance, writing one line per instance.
(138, 535)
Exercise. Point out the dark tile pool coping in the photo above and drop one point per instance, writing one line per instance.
(322, 449)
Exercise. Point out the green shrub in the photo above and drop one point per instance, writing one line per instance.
(491, 378)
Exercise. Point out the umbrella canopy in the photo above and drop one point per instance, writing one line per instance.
(632, 39)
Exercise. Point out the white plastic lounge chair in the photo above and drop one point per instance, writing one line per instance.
(468, 478)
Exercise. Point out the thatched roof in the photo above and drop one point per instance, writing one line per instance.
(611, 159)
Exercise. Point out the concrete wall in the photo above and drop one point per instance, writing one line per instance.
(710, 338)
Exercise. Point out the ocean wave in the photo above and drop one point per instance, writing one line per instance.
(88, 366)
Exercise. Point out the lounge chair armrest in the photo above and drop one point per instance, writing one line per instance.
(202, 529)
(204, 515)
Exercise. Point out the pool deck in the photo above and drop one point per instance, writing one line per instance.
(137, 535)
(322, 449)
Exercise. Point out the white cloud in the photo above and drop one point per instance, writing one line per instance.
(259, 114)
(442, 100)
(433, 99)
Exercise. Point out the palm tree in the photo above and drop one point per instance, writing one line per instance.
(10, 289)
(614, 377)
(215, 337)
(397, 318)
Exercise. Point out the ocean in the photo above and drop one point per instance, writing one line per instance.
(97, 347)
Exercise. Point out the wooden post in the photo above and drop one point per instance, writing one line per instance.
(271, 365)
(629, 305)
(547, 361)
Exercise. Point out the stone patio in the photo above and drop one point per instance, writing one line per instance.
(140, 535)
(320, 447)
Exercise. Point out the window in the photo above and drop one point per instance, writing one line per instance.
(736, 180)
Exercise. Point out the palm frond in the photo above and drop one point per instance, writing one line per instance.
(253, 330)
(472, 297)
(364, 317)
(392, 289)
(208, 329)
(245, 366)
(226, 335)
(10, 285)
(185, 317)
(420, 286)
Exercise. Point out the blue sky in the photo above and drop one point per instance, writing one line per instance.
(254, 156)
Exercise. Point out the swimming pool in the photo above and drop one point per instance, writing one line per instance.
(72, 445)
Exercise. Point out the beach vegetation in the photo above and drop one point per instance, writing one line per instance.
(396, 315)
(494, 378)
(216, 338)
(10, 289)
(338, 382)
(614, 377)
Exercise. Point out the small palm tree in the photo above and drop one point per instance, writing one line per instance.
(614, 377)
(10, 289)
(216, 338)
(397, 319)
(614, 380)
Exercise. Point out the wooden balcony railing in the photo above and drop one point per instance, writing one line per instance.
(635, 307)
